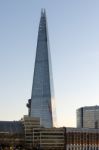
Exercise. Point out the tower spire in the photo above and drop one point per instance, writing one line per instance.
(43, 11)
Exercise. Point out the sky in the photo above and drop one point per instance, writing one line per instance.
(73, 27)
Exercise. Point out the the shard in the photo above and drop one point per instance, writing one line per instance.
(40, 104)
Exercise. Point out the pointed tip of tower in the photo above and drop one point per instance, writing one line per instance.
(43, 12)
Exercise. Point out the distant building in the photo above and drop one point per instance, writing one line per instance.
(88, 117)
(11, 133)
(42, 97)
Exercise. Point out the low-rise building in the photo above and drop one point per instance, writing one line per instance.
(29, 134)
(29, 124)
(81, 139)
(49, 138)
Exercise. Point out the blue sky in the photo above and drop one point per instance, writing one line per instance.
(73, 27)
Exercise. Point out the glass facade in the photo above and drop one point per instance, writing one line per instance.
(42, 89)
(88, 117)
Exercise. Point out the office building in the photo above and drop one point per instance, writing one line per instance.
(29, 123)
(40, 104)
(48, 138)
(81, 139)
(88, 117)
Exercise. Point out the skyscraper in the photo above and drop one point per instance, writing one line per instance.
(88, 117)
(40, 104)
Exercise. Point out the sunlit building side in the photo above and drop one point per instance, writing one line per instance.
(41, 102)
(88, 117)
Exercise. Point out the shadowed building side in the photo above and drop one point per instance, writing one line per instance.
(42, 89)
(11, 133)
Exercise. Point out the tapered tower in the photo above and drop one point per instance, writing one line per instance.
(42, 89)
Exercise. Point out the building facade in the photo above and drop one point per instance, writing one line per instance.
(40, 104)
(49, 138)
(29, 123)
(81, 139)
(88, 117)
